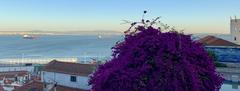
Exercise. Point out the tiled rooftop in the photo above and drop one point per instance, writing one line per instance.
(70, 68)
(214, 41)
(12, 74)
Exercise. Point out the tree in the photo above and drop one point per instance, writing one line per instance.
(150, 60)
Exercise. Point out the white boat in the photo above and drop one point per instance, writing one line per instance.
(99, 36)
(28, 36)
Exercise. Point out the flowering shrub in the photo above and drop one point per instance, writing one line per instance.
(150, 60)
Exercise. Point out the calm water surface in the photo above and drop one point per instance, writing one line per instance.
(57, 46)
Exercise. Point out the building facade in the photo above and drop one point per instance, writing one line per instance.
(13, 79)
(73, 75)
(73, 81)
(235, 30)
(226, 54)
(225, 51)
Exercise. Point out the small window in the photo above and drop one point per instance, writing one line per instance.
(235, 38)
(73, 79)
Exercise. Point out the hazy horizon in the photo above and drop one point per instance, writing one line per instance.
(205, 16)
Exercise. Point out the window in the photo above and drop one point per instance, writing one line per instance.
(73, 79)
(235, 38)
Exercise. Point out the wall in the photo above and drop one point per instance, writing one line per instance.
(64, 80)
(226, 54)
(37, 60)
(235, 29)
(17, 68)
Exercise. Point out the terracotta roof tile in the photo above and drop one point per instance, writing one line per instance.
(69, 68)
(214, 41)
(7, 81)
(32, 85)
(1, 88)
(12, 74)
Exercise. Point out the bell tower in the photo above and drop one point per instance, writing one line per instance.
(235, 29)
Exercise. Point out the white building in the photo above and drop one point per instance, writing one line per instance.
(235, 30)
(12, 79)
(73, 75)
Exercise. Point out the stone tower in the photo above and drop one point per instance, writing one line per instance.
(235, 29)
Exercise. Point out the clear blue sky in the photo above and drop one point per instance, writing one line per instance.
(195, 16)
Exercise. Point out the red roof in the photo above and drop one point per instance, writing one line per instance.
(1, 88)
(39, 86)
(69, 68)
(214, 41)
(7, 81)
(19, 73)
(12, 74)
(35, 77)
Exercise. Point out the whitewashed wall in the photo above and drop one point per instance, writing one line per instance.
(17, 68)
(64, 80)
(36, 60)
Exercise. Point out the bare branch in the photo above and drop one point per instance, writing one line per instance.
(126, 22)
(154, 21)
(148, 23)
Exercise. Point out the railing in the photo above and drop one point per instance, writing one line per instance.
(45, 60)
(230, 74)
(34, 60)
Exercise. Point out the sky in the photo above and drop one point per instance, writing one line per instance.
(194, 16)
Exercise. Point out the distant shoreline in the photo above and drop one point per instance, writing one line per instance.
(60, 33)
(81, 33)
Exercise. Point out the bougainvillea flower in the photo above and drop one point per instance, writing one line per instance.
(150, 60)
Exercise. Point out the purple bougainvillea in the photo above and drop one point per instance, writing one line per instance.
(150, 60)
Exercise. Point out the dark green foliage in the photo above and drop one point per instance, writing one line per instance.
(213, 55)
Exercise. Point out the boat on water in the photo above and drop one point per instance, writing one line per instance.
(28, 37)
(99, 36)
